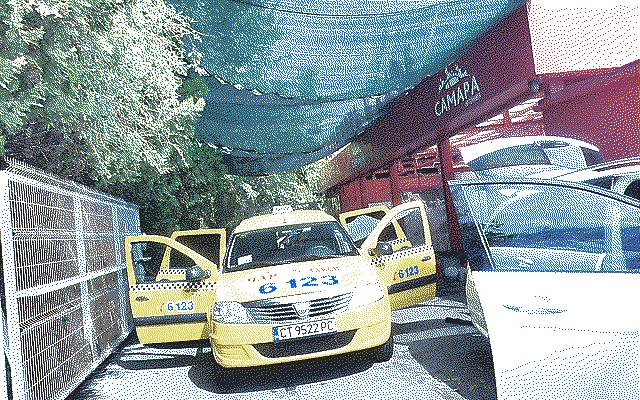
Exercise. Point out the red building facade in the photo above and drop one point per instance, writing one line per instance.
(542, 70)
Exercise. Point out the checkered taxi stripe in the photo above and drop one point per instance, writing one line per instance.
(175, 271)
(173, 286)
(400, 254)
(398, 241)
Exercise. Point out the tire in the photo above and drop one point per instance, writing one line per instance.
(384, 352)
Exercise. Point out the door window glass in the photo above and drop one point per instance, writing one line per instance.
(412, 225)
(388, 234)
(147, 259)
(605, 183)
(549, 227)
(633, 190)
(360, 227)
(207, 245)
(592, 157)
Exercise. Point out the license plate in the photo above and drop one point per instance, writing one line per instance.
(304, 329)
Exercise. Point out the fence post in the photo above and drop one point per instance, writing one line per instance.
(82, 269)
(18, 383)
(122, 278)
(4, 390)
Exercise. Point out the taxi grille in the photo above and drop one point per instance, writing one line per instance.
(297, 347)
(275, 313)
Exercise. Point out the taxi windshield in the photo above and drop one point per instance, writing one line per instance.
(288, 244)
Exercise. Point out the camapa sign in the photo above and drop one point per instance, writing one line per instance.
(457, 88)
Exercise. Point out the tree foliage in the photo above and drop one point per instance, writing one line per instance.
(198, 194)
(97, 81)
(104, 92)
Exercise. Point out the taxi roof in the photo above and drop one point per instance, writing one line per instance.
(284, 219)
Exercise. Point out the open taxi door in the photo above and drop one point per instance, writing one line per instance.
(360, 223)
(209, 243)
(169, 311)
(556, 270)
(406, 265)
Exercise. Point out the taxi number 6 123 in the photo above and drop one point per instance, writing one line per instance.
(180, 306)
(407, 272)
(307, 281)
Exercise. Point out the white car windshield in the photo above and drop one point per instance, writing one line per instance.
(288, 244)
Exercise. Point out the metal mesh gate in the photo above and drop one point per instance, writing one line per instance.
(64, 305)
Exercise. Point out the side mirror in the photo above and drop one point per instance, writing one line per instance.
(382, 249)
(195, 274)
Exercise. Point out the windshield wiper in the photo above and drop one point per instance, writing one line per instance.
(251, 265)
(309, 257)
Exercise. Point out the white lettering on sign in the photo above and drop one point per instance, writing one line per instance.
(457, 88)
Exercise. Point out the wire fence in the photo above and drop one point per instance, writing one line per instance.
(64, 291)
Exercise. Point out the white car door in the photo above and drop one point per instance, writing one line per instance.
(556, 266)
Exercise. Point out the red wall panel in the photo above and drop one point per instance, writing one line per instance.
(376, 190)
(350, 198)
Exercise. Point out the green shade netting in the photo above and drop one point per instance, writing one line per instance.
(292, 81)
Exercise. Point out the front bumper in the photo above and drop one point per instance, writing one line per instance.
(245, 345)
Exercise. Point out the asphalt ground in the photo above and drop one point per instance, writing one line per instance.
(437, 355)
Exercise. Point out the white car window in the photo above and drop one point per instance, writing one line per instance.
(548, 227)
(633, 190)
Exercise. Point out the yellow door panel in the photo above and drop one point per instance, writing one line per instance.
(360, 223)
(168, 311)
(409, 267)
(409, 297)
(171, 312)
(209, 243)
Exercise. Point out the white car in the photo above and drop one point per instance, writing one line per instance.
(620, 176)
(555, 267)
(529, 155)
(550, 157)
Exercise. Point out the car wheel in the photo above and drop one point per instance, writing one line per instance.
(384, 352)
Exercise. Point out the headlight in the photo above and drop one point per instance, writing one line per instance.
(231, 312)
(366, 294)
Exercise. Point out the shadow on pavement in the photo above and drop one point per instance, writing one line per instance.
(279, 376)
(463, 362)
(197, 356)
(417, 326)
(154, 361)
(85, 390)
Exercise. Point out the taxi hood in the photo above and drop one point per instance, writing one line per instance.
(332, 275)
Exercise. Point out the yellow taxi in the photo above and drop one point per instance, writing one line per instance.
(290, 285)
